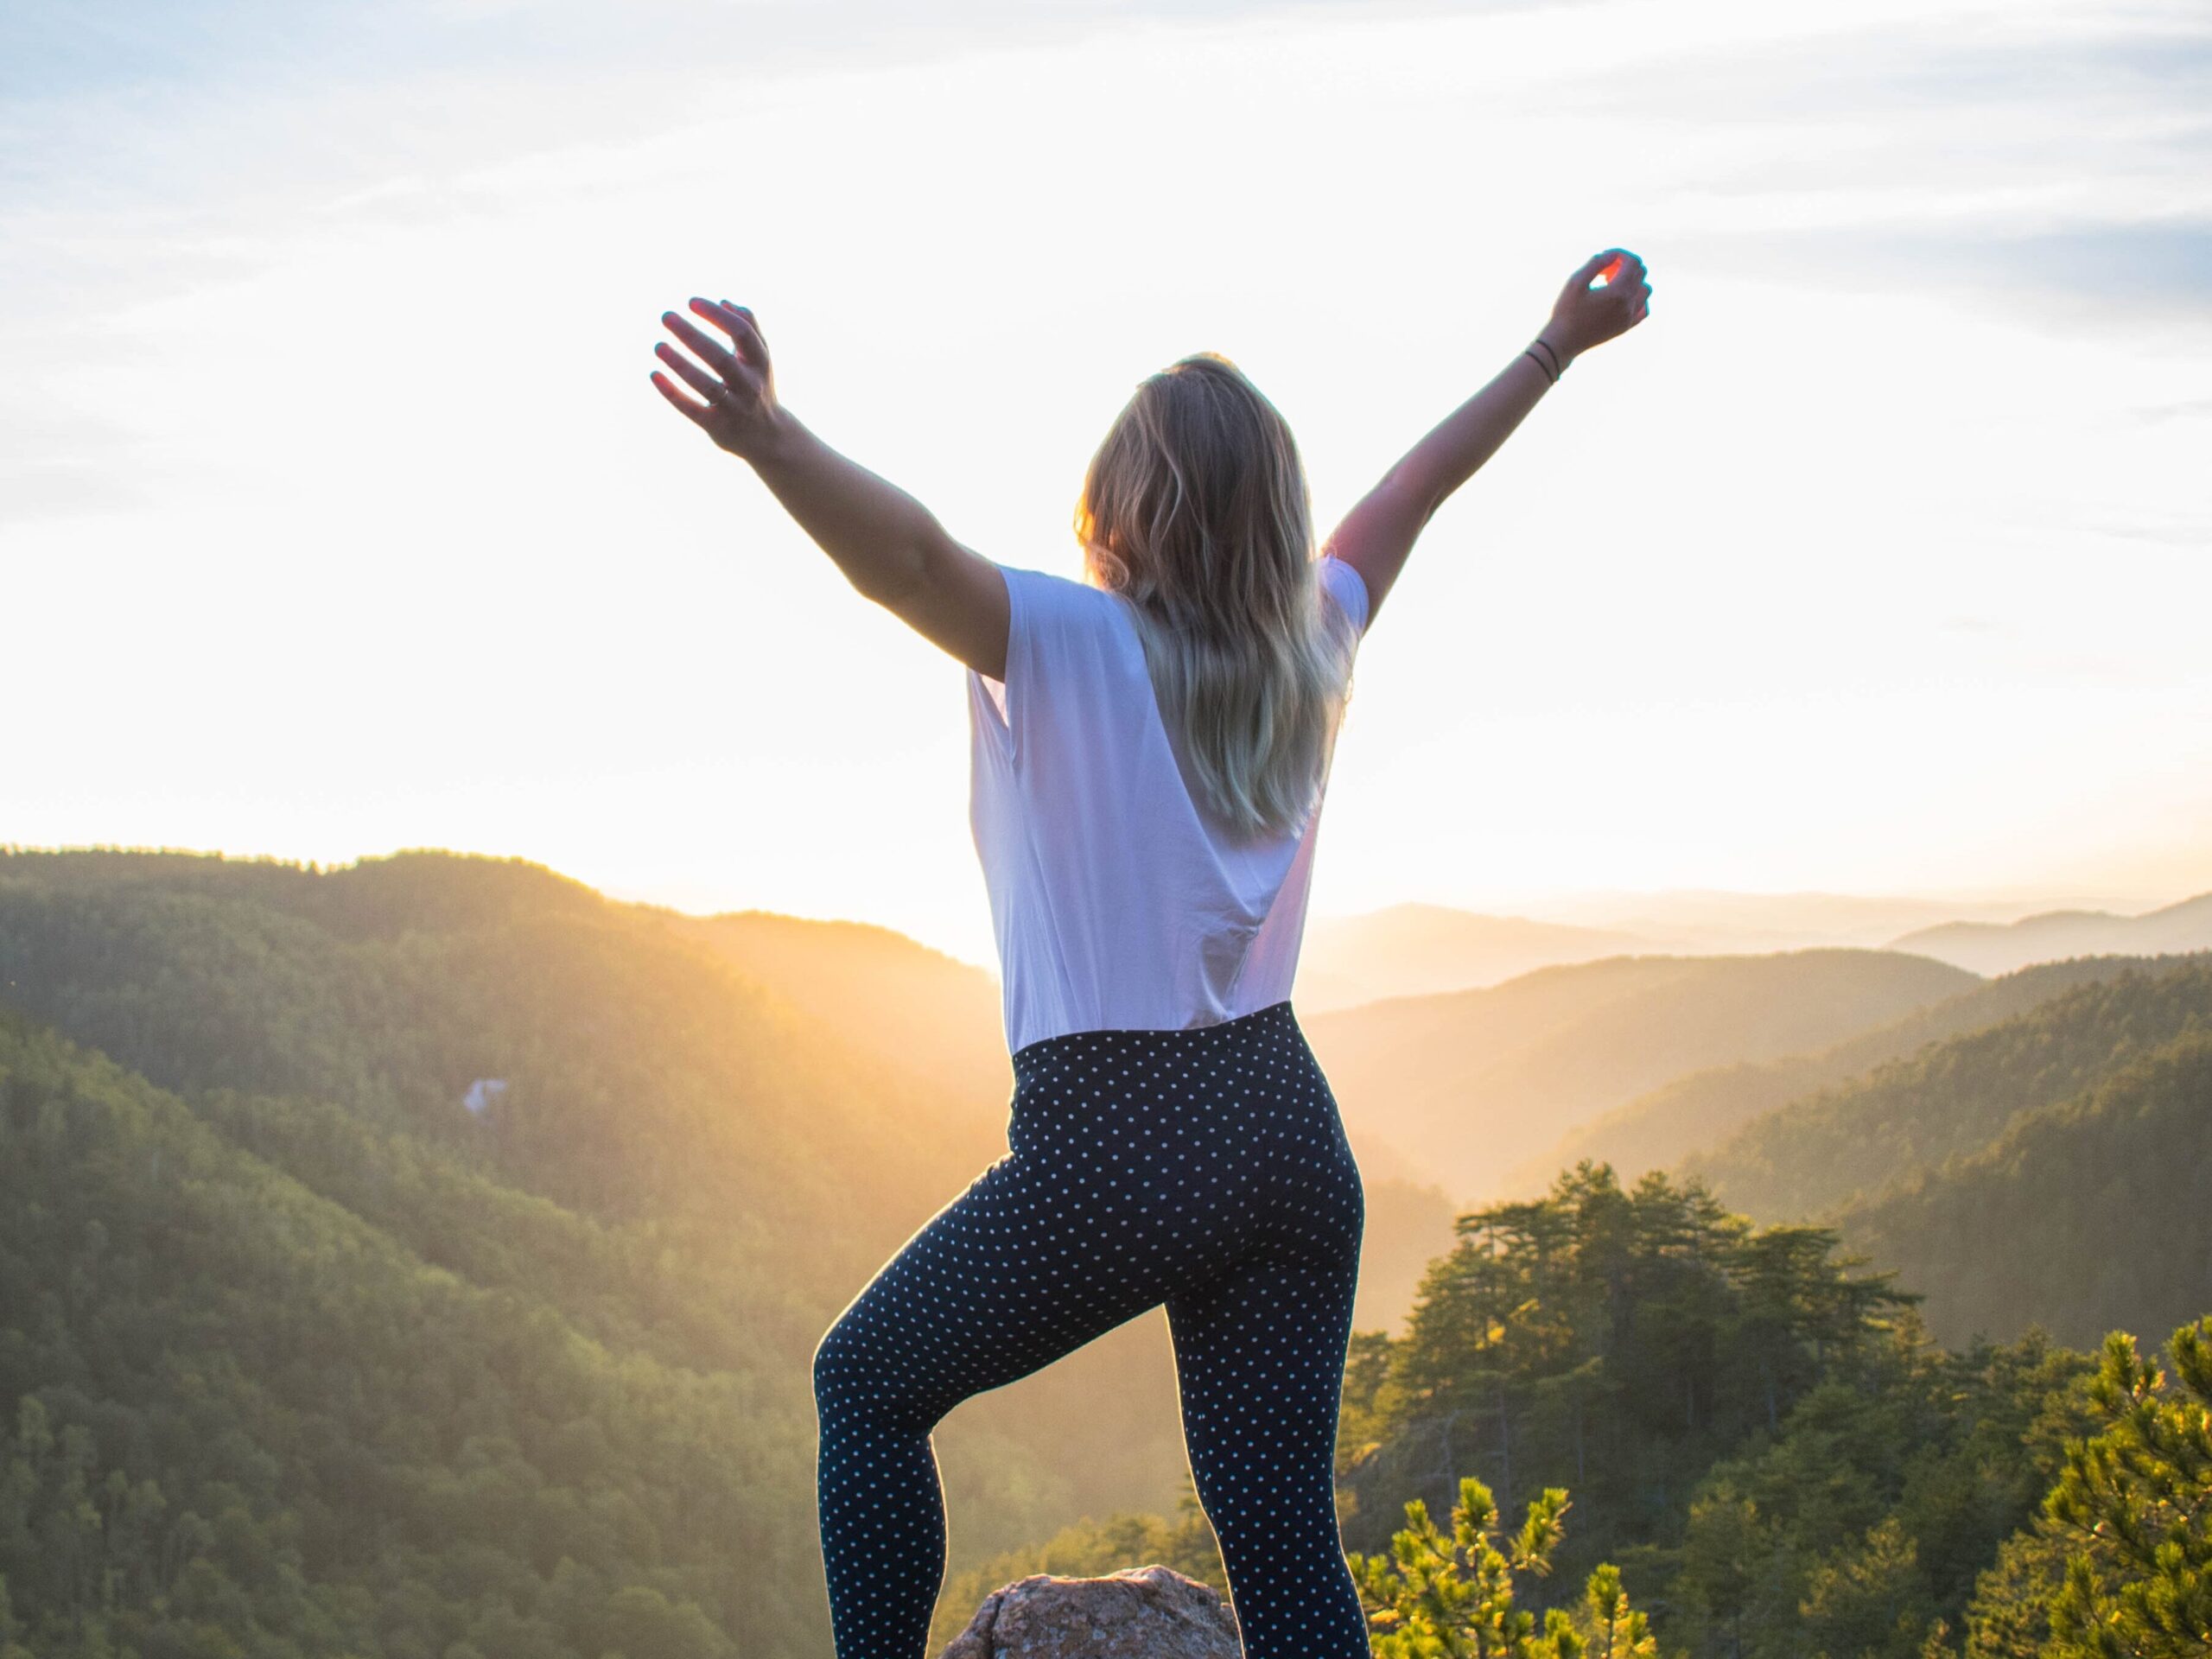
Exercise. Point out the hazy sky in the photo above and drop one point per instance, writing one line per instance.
(338, 513)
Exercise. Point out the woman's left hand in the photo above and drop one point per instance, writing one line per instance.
(741, 413)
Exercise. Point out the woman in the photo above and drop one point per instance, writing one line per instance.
(1149, 752)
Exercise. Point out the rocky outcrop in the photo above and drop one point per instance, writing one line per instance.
(1141, 1612)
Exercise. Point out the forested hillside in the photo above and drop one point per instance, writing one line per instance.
(242, 1420)
(2085, 1215)
(1470, 1083)
(1696, 1113)
(1954, 1099)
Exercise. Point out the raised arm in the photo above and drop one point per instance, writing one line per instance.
(1377, 536)
(890, 547)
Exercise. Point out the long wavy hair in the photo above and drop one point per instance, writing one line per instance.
(1196, 509)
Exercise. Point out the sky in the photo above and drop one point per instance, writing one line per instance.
(339, 515)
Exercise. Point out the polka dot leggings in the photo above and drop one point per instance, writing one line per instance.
(1205, 1168)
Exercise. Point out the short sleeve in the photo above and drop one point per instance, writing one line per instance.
(1347, 586)
(1061, 655)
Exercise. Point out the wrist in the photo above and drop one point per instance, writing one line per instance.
(1555, 341)
(778, 439)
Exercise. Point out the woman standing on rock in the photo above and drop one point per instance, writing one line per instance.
(1150, 750)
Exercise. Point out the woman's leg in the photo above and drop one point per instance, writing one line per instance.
(1022, 1268)
(1259, 1363)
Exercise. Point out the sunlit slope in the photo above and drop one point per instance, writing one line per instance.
(1694, 1113)
(1954, 1099)
(1470, 1083)
(938, 1017)
(2086, 1217)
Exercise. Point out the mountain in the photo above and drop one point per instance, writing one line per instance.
(1954, 1099)
(1472, 1083)
(2088, 1216)
(1412, 950)
(1696, 1113)
(2056, 935)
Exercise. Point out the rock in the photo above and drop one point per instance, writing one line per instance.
(1141, 1612)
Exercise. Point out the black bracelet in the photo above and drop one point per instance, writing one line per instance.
(1552, 352)
(1530, 353)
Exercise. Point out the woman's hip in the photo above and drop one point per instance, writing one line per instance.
(1213, 1076)
(1233, 1121)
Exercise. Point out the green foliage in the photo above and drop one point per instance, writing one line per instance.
(1862, 1524)
(2137, 1501)
(1611, 1342)
(1433, 1596)
(1769, 1446)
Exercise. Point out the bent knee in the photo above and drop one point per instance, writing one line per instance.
(841, 1358)
(856, 1374)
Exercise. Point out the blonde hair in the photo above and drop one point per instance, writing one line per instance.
(1196, 509)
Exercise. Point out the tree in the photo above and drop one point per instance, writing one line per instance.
(2137, 1499)
(1434, 1597)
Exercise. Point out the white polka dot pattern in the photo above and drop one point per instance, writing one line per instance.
(1205, 1168)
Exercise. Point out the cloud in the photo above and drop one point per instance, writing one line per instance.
(2157, 414)
(2178, 533)
(2113, 276)
(51, 48)
(36, 490)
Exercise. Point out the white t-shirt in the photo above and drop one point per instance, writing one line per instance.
(1120, 903)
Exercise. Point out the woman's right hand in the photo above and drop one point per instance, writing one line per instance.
(1584, 316)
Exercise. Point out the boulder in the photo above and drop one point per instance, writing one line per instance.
(1141, 1612)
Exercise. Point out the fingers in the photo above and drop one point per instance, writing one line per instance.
(1622, 269)
(736, 321)
(696, 412)
(711, 351)
(696, 378)
(1592, 266)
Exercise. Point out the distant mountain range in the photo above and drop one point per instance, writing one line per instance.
(2054, 936)
(1412, 950)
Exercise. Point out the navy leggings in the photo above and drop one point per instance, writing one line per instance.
(1205, 1168)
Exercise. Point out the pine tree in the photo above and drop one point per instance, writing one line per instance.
(1438, 1598)
(2138, 1496)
